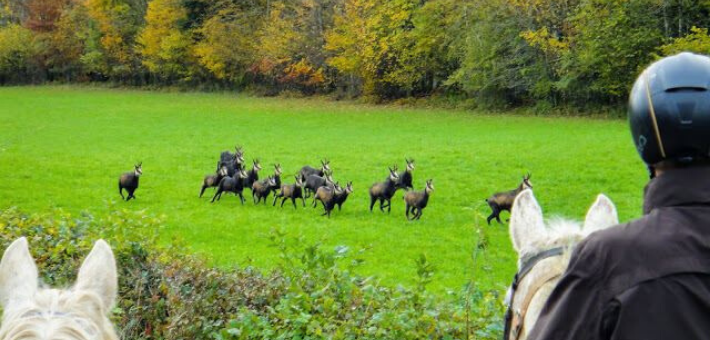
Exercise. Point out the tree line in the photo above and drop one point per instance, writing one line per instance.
(497, 53)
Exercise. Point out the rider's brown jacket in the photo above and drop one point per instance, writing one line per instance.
(647, 279)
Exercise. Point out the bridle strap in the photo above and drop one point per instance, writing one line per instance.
(519, 276)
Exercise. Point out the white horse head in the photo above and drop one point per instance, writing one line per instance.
(35, 313)
(532, 238)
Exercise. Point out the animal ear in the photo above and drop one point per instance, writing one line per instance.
(601, 215)
(526, 223)
(98, 274)
(18, 273)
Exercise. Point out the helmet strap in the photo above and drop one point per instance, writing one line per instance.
(651, 172)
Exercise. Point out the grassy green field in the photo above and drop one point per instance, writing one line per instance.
(64, 147)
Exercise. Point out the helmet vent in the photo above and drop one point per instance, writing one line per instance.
(686, 89)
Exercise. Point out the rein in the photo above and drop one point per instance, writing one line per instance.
(510, 314)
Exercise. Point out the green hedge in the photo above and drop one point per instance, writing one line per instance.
(315, 293)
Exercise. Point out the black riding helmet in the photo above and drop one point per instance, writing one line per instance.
(669, 110)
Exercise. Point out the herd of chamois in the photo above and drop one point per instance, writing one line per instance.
(231, 176)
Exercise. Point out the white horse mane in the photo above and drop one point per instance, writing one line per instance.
(79, 313)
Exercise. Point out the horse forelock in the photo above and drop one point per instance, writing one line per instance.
(57, 315)
(559, 232)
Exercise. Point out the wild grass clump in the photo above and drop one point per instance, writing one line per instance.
(314, 293)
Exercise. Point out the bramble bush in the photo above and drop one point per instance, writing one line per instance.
(314, 293)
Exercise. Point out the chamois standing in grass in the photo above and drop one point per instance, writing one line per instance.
(129, 181)
(233, 184)
(416, 201)
(277, 178)
(340, 199)
(233, 161)
(253, 174)
(261, 189)
(313, 182)
(292, 191)
(504, 200)
(213, 180)
(383, 191)
(327, 195)
(308, 170)
(405, 177)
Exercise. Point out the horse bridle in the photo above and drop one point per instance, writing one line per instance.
(519, 276)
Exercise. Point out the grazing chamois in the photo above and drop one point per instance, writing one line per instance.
(327, 195)
(383, 191)
(129, 181)
(504, 200)
(405, 177)
(292, 191)
(233, 184)
(313, 182)
(253, 174)
(277, 178)
(213, 180)
(340, 199)
(308, 170)
(262, 189)
(416, 201)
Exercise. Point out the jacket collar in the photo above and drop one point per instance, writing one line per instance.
(686, 186)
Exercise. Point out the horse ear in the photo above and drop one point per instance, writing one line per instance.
(98, 274)
(526, 223)
(601, 215)
(18, 273)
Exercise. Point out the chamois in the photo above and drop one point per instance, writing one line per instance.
(417, 200)
(253, 174)
(504, 200)
(292, 191)
(261, 189)
(340, 199)
(277, 178)
(405, 177)
(313, 182)
(234, 161)
(227, 157)
(213, 180)
(233, 184)
(383, 191)
(129, 181)
(327, 195)
(308, 170)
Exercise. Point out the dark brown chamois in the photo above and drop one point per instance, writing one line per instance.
(417, 201)
(313, 182)
(213, 180)
(129, 181)
(262, 189)
(277, 178)
(504, 200)
(308, 170)
(233, 161)
(383, 191)
(233, 184)
(253, 174)
(292, 191)
(327, 196)
(340, 199)
(405, 177)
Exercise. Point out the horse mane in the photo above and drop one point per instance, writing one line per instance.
(65, 314)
